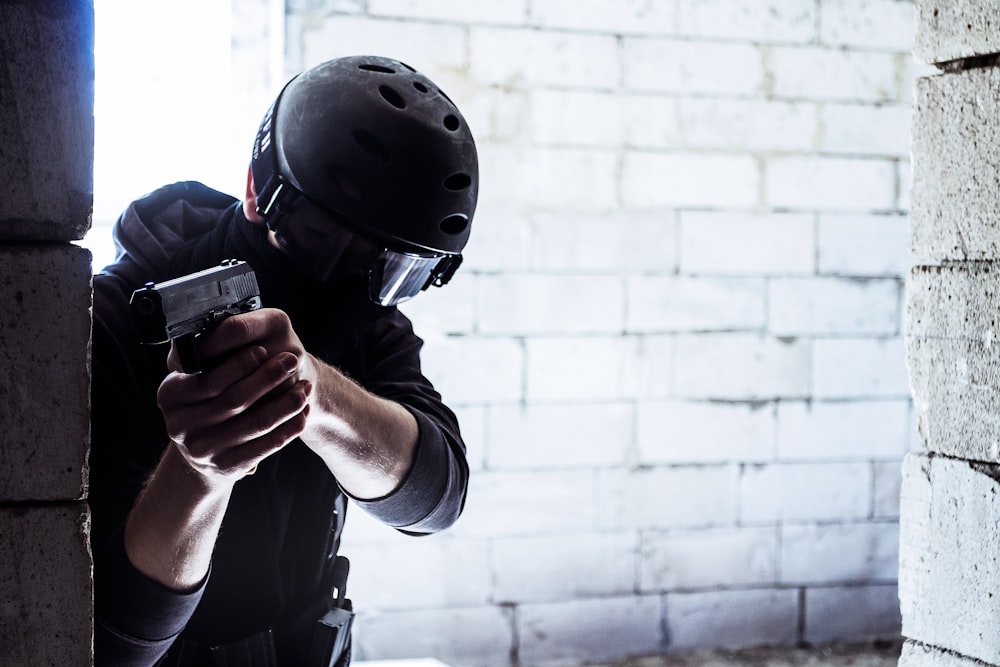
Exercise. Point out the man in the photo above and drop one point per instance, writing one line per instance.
(218, 498)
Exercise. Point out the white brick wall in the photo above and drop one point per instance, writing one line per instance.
(830, 183)
(692, 559)
(783, 492)
(756, 244)
(839, 430)
(876, 24)
(863, 245)
(823, 73)
(603, 564)
(591, 630)
(692, 67)
(732, 618)
(662, 180)
(742, 367)
(877, 613)
(675, 346)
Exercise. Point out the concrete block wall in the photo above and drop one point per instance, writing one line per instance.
(949, 547)
(676, 345)
(46, 153)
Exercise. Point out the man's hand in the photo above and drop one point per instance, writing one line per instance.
(265, 390)
(222, 422)
(246, 407)
(251, 405)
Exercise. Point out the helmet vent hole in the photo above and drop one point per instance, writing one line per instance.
(392, 96)
(369, 144)
(457, 182)
(451, 122)
(455, 224)
(376, 68)
(419, 86)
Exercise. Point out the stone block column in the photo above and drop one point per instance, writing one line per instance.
(46, 157)
(949, 581)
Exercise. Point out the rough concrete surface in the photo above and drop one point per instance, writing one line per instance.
(955, 196)
(44, 380)
(952, 29)
(950, 555)
(47, 120)
(45, 586)
(953, 354)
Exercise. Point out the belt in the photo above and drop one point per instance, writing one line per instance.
(315, 642)
(328, 646)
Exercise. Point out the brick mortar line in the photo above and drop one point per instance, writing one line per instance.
(973, 62)
(955, 654)
(957, 265)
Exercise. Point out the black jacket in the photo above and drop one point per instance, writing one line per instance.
(283, 524)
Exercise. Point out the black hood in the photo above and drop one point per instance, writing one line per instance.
(187, 227)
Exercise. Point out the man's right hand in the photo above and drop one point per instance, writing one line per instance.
(222, 422)
(226, 420)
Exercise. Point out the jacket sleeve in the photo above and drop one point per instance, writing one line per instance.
(432, 496)
(136, 619)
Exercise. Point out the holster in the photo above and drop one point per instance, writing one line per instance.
(322, 637)
(331, 640)
(330, 645)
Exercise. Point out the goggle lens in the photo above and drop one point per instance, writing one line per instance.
(397, 276)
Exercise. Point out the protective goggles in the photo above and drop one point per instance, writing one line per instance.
(324, 247)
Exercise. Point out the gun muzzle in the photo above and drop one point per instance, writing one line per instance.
(183, 308)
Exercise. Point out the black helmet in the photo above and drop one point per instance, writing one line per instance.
(380, 148)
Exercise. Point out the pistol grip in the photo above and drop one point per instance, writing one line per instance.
(187, 351)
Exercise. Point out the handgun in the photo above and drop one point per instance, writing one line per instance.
(182, 309)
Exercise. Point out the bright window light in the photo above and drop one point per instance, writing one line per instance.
(163, 104)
